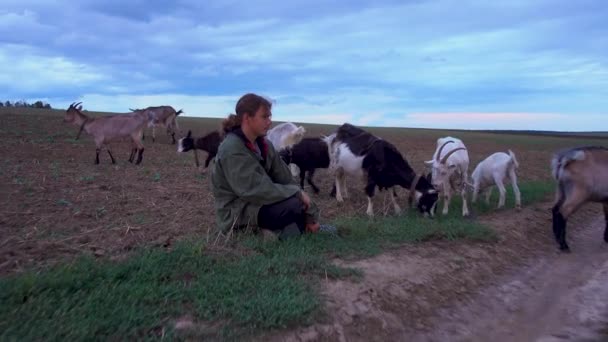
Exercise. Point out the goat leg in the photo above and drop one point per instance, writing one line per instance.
(312, 184)
(97, 150)
(139, 157)
(132, 156)
(111, 156)
(559, 228)
(606, 218)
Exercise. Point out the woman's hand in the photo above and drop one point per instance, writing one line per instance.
(305, 200)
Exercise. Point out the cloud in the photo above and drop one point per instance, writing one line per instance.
(372, 62)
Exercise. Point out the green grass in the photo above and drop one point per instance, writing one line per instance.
(271, 286)
(531, 192)
(252, 286)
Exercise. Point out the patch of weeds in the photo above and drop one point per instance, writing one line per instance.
(55, 169)
(100, 212)
(156, 176)
(19, 180)
(89, 178)
(140, 219)
(63, 202)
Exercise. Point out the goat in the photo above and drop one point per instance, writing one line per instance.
(162, 116)
(492, 171)
(284, 135)
(450, 171)
(308, 155)
(357, 152)
(209, 143)
(104, 129)
(582, 176)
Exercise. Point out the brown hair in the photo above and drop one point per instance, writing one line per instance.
(247, 104)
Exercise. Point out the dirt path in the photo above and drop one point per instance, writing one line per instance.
(521, 289)
(556, 297)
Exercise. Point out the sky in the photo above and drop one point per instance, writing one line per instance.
(462, 64)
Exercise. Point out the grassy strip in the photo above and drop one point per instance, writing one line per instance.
(268, 285)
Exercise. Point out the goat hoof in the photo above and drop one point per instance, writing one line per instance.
(564, 249)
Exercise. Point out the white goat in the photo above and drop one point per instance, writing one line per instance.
(284, 135)
(492, 171)
(450, 171)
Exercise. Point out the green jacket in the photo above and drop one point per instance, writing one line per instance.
(242, 185)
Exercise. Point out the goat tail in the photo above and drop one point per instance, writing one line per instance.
(179, 112)
(513, 159)
(562, 159)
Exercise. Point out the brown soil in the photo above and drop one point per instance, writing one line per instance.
(55, 204)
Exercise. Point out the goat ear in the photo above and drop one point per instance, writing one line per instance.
(189, 134)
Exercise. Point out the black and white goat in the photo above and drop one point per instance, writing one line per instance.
(209, 143)
(492, 171)
(582, 176)
(357, 152)
(308, 155)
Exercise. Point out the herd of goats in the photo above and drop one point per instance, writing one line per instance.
(581, 172)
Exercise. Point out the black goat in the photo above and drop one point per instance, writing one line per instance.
(309, 154)
(209, 143)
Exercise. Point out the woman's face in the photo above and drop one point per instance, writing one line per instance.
(260, 123)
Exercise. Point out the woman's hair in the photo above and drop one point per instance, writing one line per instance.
(248, 104)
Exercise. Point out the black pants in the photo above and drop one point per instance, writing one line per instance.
(281, 214)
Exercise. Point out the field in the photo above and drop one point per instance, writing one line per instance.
(118, 251)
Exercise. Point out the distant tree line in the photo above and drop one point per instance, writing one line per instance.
(24, 104)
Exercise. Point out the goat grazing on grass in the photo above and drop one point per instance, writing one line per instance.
(308, 155)
(105, 129)
(492, 171)
(582, 176)
(165, 116)
(357, 152)
(209, 143)
(449, 171)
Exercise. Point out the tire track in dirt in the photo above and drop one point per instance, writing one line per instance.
(450, 291)
(556, 297)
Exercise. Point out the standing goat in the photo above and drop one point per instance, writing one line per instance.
(209, 143)
(165, 116)
(582, 176)
(104, 129)
(450, 171)
(492, 171)
(308, 155)
(359, 153)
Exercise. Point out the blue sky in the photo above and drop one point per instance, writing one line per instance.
(517, 64)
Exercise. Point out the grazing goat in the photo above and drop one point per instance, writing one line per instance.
(284, 135)
(308, 155)
(450, 171)
(357, 152)
(582, 176)
(104, 129)
(492, 171)
(165, 116)
(209, 143)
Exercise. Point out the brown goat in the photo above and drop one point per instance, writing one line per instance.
(105, 129)
(582, 176)
(165, 116)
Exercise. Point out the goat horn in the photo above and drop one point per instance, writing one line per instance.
(77, 104)
(445, 158)
(441, 148)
